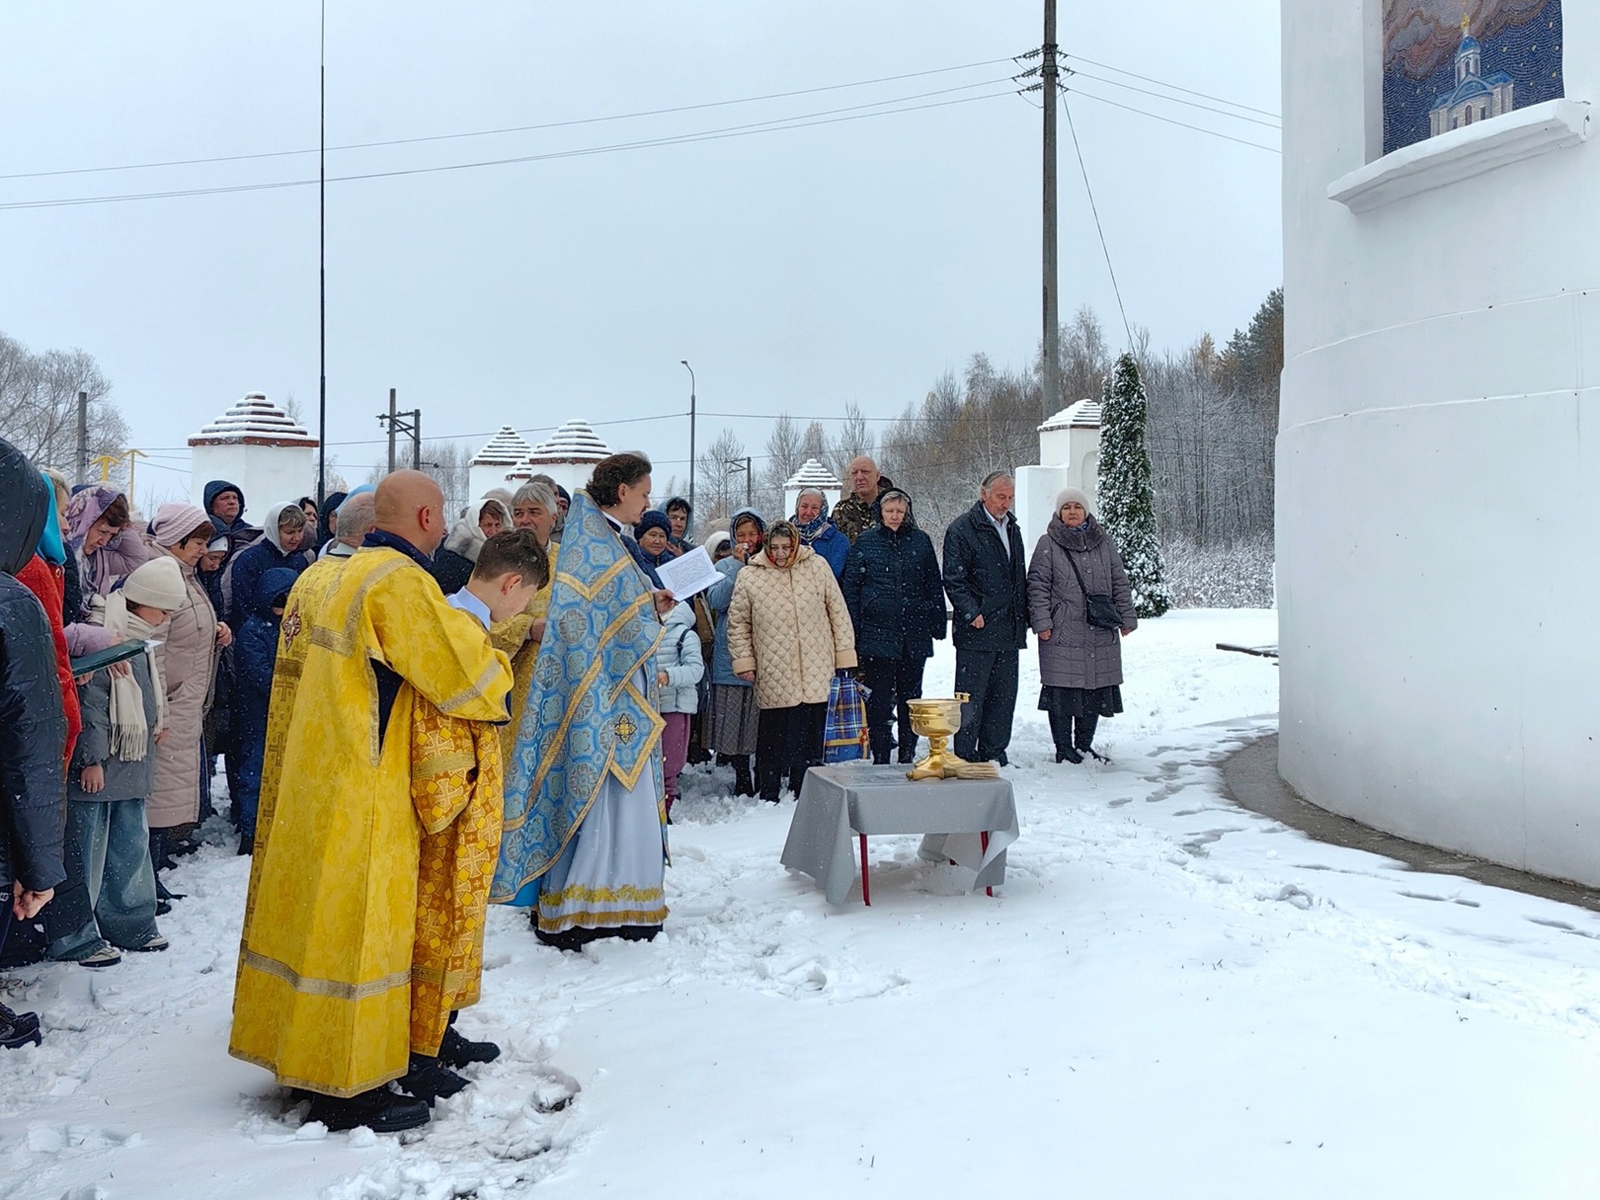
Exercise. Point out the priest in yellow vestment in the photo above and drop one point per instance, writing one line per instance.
(374, 655)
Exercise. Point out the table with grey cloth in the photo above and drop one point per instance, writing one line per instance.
(840, 803)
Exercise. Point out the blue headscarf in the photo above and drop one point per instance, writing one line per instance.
(51, 547)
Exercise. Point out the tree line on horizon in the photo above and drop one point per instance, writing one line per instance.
(1210, 431)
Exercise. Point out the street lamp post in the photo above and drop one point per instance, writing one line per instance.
(690, 369)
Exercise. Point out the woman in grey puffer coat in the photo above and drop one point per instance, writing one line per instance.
(1080, 665)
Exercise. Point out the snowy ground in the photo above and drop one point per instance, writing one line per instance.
(1170, 996)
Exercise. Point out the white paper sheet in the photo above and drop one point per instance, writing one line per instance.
(688, 574)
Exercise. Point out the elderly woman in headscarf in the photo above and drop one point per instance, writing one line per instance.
(187, 661)
(817, 531)
(789, 631)
(105, 546)
(281, 544)
(71, 593)
(1080, 665)
(896, 598)
(453, 561)
(653, 532)
(43, 575)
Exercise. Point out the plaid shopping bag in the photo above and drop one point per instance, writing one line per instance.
(844, 736)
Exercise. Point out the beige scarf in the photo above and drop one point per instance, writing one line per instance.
(130, 732)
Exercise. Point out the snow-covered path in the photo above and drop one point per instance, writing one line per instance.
(1170, 996)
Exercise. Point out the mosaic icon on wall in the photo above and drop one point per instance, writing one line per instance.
(1449, 63)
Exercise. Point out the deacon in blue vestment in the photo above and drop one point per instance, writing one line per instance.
(584, 840)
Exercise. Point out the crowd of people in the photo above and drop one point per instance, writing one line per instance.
(417, 715)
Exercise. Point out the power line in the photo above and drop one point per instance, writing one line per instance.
(1170, 121)
(1276, 125)
(775, 125)
(1173, 87)
(1093, 208)
(442, 137)
(452, 437)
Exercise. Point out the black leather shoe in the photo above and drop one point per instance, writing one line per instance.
(457, 1051)
(1068, 755)
(380, 1110)
(427, 1080)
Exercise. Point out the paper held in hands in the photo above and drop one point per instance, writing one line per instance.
(688, 574)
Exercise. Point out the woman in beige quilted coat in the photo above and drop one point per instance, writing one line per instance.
(788, 631)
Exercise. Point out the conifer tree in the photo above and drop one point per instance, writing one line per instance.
(1127, 507)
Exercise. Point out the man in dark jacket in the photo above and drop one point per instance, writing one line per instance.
(891, 585)
(255, 656)
(33, 725)
(986, 578)
(224, 504)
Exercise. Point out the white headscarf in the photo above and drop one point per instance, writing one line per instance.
(467, 538)
(130, 732)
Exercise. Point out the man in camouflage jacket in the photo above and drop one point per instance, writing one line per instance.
(858, 512)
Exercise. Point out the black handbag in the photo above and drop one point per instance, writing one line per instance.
(1099, 609)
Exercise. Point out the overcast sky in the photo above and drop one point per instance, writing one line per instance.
(797, 270)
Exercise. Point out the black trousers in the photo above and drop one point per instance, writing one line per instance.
(890, 683)
(990, 678)
(788, 740)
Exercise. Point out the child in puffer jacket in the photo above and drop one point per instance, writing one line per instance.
(680, 664)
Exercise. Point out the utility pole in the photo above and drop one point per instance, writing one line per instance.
(412, 428)
(1052, 316)
(322, 261)
(685, 362)
(81, 463)
(133, 461)
(733, 466)
(105, 462)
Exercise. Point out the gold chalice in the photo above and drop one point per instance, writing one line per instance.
(938, 720)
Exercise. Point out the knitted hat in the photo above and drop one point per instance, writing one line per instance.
(175, 522)
(1071, 495)
(157, 584)
(653, 518)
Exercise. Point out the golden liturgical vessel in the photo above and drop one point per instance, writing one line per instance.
(938, 720)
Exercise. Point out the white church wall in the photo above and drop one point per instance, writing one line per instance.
(571, 476)
(1437, 483)
(265, 473)
(482, 480)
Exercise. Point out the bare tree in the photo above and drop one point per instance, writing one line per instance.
(720, 487)
(854, 437)
(784, 458)
(39, 404)
(449, 465)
